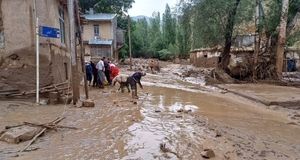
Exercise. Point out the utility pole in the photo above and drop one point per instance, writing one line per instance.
(74, 68)
(281, 38)
(37, 47)
(129, 39)
(80, 31)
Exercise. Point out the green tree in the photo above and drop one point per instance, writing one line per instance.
(141, 39)
(155, 35)
(169, 27)
(107, 6)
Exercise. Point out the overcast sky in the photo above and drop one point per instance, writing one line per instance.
(147, 7)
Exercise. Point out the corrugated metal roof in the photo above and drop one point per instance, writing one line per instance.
(100, 42)
(99, 16)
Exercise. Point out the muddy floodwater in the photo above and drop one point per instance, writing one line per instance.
(184, 118)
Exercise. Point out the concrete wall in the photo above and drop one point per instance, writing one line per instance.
(18, 53)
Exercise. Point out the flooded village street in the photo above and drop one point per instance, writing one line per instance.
(174, 118)
(149, 79)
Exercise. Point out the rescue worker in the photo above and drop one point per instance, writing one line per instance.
(133, 81)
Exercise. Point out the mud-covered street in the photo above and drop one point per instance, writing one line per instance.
(174, 118)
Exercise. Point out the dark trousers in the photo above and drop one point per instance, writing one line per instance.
(107, 75)
(95, 81)
(133, 85)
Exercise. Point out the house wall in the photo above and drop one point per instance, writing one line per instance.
(207, 59)
(240, 60)
(17, 56)
(105, 30)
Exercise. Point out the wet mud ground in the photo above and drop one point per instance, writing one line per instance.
(184, 116)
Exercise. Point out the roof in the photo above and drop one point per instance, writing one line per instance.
(100, 42)
(100, 17)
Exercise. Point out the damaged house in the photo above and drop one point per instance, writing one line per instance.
(17, 43)
(241, 57)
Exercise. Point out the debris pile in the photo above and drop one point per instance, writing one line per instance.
(55, 94)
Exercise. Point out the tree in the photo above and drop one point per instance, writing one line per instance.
(107, 6)
(184, 30)
(155, 35)
(228, 36)
(282, 38)
(169, 27)
(141, 39)
(87, 4)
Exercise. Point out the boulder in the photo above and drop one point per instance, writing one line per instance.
(19, 134)
(88, 103)
(208, 153)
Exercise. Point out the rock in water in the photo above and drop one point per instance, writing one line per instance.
(88, 103)
(208, 153)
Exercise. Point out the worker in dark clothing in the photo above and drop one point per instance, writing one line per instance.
(107, 70)
(133, 81)
(95, 75)
(89, 72)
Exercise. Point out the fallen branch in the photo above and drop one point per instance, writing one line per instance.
(41, 125)
(33, 139)
(56, 121)
(14, 126)
(53, 127)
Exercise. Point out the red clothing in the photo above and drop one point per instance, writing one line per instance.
(114, 71)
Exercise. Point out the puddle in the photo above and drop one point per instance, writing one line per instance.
(174, 128)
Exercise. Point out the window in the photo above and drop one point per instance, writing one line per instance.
(96, 30)
(62, 25)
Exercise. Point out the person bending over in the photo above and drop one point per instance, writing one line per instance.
(133, 81)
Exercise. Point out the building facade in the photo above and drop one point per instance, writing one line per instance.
(100, 35)
(17, 43)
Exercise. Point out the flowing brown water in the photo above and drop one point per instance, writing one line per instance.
(118, 129)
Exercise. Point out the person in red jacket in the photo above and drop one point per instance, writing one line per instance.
(114, 71)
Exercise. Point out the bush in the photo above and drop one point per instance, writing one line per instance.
(165, 55)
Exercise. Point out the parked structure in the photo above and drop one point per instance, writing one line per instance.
(100, 35)
(17, 43)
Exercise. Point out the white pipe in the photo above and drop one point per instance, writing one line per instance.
(37, 62)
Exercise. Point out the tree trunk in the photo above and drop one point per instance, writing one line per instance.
(257, 40)
(228, 37)
(281, 38)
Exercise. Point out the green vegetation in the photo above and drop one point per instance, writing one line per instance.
(198, 24)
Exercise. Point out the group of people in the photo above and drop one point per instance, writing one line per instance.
(101, 73)
(106, 72)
